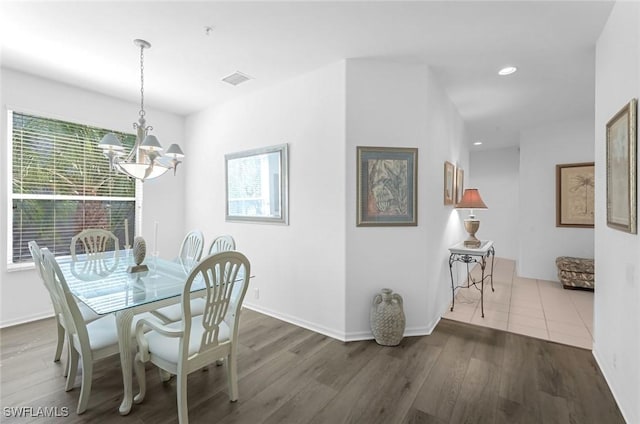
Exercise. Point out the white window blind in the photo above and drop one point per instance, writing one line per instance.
(62, 184)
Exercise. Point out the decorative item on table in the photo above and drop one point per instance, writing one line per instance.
(471, 200)
(139, 252)
(387, 318)
(145, 160)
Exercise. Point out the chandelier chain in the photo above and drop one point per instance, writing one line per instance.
(142, 112)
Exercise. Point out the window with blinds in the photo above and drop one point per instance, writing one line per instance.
(62, 184)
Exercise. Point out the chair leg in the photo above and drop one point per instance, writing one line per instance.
(72, 366)
(60, 345)
(181, 389)
(85, 389)
(142, 379)
(164, 375)
(232, 376)
(67, 364)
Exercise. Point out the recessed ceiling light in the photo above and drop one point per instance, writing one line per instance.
(507, 70)
(477, 143)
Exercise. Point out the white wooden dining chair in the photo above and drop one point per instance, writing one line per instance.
(191, 247)
(88, 342)
(95, 241)
(222, 243)
(192, 343)
(87, 314)
(173, 313)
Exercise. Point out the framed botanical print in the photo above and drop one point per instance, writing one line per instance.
(387, 186)
(449, 181)
(459, 185)
(622, 169)
(575, 184)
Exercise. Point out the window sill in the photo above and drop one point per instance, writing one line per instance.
(25, 266)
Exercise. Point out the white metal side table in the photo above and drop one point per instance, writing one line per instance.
(470, 255)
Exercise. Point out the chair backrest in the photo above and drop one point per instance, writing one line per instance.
(74, 323)
(222, 244)
(94, 242)
(36, 254)
(192, 246)
(226, 277)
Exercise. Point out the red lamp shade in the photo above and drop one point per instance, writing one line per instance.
(471, 200)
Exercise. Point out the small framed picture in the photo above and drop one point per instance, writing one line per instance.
(459, 185)
(622, 171)
(449, 180)
(387, 186)
(575, 184)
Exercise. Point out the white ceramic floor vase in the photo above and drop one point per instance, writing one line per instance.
(387, 318)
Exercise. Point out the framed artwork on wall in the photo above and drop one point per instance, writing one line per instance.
(459, 185)
(575, 183)
(622, 131)
(449, 181)
(387, 186)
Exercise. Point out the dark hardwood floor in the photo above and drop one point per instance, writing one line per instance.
(459, 374)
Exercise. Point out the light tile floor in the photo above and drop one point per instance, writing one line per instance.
(536, 308)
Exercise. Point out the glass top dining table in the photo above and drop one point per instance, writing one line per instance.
(106, 286)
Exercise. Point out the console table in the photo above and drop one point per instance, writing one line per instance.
(471, 255)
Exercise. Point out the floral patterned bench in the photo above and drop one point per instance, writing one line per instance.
(576, 273)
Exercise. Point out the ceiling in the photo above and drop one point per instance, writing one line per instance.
(89, 44)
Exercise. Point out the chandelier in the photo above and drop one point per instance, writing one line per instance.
(145, 160)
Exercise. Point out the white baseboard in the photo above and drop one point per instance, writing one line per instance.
(330, 332)
(24, 320)
(338, 335)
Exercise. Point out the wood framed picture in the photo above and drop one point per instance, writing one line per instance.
(459, 185)
(387, 186)
(575, 184)
(449, 181)
(622, 170)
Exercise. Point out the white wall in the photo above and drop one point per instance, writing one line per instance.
(541, 149)
(412, 111)
(496, 173)
(617, 254)
(321, 271)
(300, 268)
(24, 298)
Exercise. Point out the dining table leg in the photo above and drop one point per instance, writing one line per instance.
(123, 324)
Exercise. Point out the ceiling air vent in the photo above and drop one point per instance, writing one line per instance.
(236, 78)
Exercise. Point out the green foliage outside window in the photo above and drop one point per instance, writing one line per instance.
(62, 184)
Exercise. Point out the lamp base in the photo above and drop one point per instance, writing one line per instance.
(472, 225)
(473, 243)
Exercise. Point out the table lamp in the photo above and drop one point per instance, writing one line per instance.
(471, 200)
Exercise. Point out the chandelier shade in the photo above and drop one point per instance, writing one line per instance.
(145, 160)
